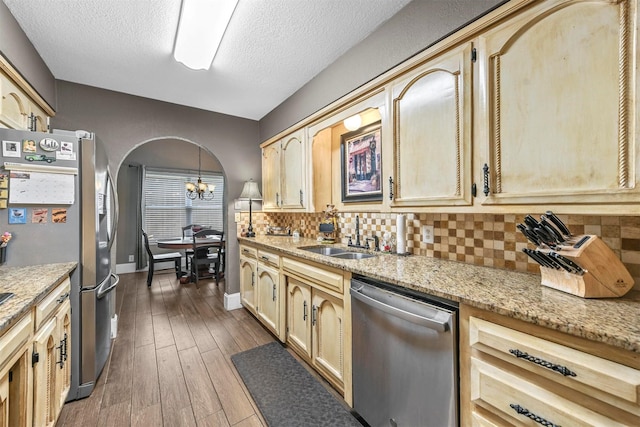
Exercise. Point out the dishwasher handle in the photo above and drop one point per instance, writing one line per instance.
(435, 324)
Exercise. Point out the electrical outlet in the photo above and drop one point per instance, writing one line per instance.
(237, 216)
(131, 258)
(427, 233)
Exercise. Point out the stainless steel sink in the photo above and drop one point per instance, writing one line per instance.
(352, 255)
(324, 250)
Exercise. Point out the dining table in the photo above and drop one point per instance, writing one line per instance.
(178, 243)
(185, 243)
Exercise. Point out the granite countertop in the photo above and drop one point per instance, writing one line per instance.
(614, 321)
(30, 284)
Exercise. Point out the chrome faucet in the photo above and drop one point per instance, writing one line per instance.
(357, 230)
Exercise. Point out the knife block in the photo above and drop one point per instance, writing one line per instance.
(605, 275)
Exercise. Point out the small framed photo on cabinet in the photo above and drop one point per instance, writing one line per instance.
(360, 154)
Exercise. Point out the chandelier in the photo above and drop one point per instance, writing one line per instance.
(200, 190)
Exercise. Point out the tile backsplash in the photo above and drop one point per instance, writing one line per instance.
(490, 240)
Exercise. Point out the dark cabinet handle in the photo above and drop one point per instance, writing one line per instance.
(390, 188)
(485, 173)
(314, 309)
(524, 411)
(274, 292)
(62, 298)
(253, 278)
(554, 367)
(63, 351)
(304, 311)
(301, 199)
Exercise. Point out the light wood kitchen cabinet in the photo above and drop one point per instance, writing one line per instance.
(432, 124)
(513, 372)
(561, 104)
(51, 357)
(327, 321)
(268, 297)
(18, 109)
(284, 173)
(261, 288)
(248, 270)
(15, 374)
(298, 316)
(315, 318)
(4, 400)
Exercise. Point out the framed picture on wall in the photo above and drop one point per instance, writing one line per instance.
(361, 154)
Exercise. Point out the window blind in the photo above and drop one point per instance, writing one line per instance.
(167, 208)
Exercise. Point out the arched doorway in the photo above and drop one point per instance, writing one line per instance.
(162, 154)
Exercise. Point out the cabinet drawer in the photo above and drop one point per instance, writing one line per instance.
(269, 258)
(522, 401)
(15, 338)
(248, 251)
(571, 368)
(50, 304)
(317, 275)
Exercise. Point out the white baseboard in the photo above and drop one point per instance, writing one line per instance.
(126, 268)
(232, 301)
(114, 326)
(131, 267)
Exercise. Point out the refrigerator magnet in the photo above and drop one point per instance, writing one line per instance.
(18, 216)
(40, 215)
(49, 144)
(10, 149)
(59, 215)
(28, 146)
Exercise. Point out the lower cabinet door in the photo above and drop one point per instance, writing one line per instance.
(269, 298)
(248, 283)
(46, 346)
(328, 336)
(4, 400)
(63, 370)
(299, 317)
(523, 402)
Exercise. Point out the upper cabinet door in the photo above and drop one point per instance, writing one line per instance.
(561, 92)
(271, 176)
(432, 124)
(284, 173)
(292, 172)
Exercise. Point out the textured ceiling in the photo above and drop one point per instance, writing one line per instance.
(270, 50)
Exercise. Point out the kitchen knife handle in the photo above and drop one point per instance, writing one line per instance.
(529, 235)
(557, 236)
(571, 264)
(544, 237)
(531, 221)
(558, 223)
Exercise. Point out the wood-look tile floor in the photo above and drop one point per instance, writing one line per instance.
(170, 363)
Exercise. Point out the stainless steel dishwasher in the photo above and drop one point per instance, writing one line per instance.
(405, 369)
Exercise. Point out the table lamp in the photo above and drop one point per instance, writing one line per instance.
(250, 192)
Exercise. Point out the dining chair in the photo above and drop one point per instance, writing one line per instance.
(207, 259)
(188, 231)
(176, 257)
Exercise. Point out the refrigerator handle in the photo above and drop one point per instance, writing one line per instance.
(112, 285)
(114, 223)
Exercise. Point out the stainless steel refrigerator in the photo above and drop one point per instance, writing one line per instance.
(62, 206)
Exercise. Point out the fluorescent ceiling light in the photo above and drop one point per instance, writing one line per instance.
(202, 25)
